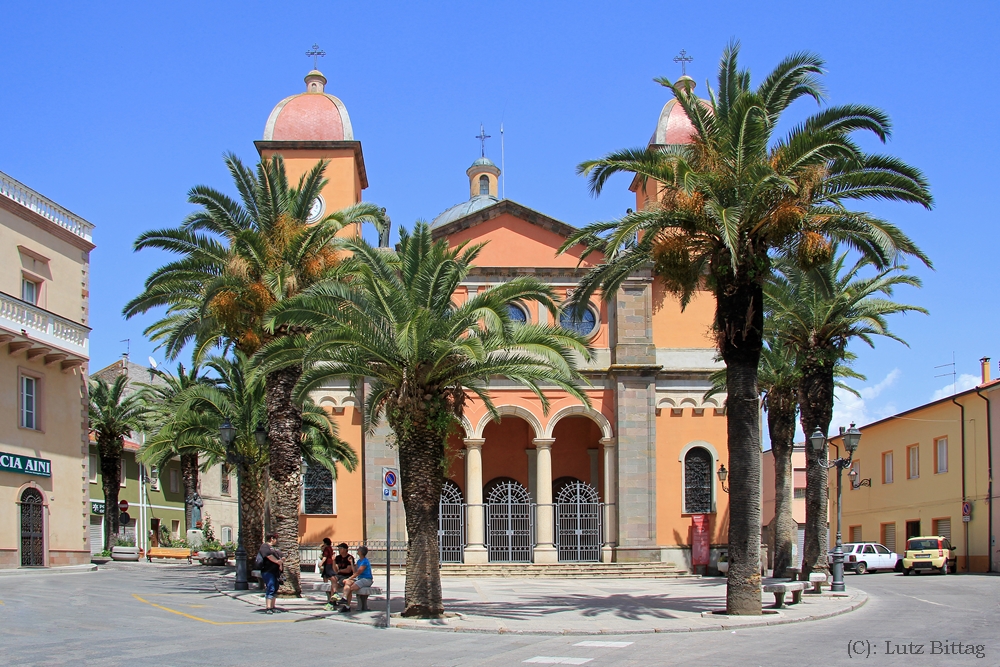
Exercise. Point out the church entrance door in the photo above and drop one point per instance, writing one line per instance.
(508, 523)
(578, 523)
(451, 528)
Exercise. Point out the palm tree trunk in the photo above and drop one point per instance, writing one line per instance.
(781, 426)
(251, 498)
(816, 406)
(189, 474)
(284, 422)
(421, 453)
(739, 327)
(110, 453)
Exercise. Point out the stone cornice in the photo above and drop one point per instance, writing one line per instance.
(278, 146)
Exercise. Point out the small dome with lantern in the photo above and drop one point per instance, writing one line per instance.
(314, 115)
(483, 178)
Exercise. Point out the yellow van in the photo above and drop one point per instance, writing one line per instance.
(933, 552)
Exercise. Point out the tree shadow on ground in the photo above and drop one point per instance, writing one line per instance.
(622, 606)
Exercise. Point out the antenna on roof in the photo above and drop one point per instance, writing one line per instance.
(503, 177)
(954, 380)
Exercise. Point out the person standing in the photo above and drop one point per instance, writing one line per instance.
(362, 578)
(326, 569)
(271, 567)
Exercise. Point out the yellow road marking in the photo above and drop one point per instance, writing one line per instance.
(205, 620)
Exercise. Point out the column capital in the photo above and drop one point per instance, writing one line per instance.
(607, 442)
(543, 443)
(474, 443)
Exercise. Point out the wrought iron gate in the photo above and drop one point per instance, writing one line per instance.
(508, 523)
(32, 529)
(451, 527)
(578, 523)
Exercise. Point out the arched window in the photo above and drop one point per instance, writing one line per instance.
(32, 529)
(698, 481)
(517, 314)
(584, 324)
(484, 184)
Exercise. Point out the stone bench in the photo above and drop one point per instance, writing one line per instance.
(362, 594)
(818, 580)
(780, 589)
(177, 553)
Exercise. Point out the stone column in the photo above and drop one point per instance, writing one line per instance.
(545, 550)
(610, 498)
(475, 548)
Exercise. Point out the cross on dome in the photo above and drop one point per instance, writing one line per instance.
(683, 59)
(482, 136)
(316, 53)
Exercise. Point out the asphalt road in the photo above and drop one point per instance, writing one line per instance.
(174, 616)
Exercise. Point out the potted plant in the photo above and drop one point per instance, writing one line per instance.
(723, 565)
(212, 553)
(125, 550)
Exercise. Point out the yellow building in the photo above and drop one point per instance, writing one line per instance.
(44, 350)
(916, 471)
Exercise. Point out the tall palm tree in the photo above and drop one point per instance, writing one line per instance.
(399, 324)
(161, 398)
(114, 413)
(238, 261)
(727, 202)
(201, 409)
(818, 312)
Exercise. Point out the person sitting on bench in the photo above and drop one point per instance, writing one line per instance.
(342, 569)
(362, 578)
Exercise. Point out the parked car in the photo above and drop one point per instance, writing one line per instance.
(932, 552)
(862, 557)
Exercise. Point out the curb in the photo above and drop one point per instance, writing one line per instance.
(408, 625)
(62, 569)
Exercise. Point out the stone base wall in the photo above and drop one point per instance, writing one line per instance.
(9, 559)
(57, 558)
(680, 556)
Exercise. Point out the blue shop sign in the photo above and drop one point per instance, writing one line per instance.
(25, 464)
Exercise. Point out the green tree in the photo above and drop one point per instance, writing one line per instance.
(817, 313)
(161, 399)
(201, 408)
(238, 260)
(399, 326)
(727, 202)
(114, 413)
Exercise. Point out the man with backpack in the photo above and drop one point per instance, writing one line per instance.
(271, 563)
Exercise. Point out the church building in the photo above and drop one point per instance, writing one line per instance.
(631, 478)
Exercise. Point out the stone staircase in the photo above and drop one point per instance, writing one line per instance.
(563, 570)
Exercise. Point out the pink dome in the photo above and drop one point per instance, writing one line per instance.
(674, 126)
(310, 116)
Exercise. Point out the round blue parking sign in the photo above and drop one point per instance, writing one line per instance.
(390, 478)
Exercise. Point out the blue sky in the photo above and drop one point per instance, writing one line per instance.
(116, 109)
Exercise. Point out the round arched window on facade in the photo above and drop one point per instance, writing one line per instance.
(517, 314)
(584, 323)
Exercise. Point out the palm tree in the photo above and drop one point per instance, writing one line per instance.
(201, 408)
(161, 398)
(114, 414)
(727, 202)
(818, 312)
(399, 326)
(238, 261)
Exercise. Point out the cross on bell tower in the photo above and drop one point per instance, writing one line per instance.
(316, 53)
(683, 59)
(482, 136)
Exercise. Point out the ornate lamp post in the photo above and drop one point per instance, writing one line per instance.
(227, 433)
(723, 476)
(852, 437)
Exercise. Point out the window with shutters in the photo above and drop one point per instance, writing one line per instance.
(855, 533)
(123, 473)
(913, 462)
(940, 455)
(888, 536)
(29, 394)
(227, 534)
(698, 481)
(887, 467)
(942, 527)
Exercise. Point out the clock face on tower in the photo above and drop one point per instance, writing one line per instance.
(317, 209)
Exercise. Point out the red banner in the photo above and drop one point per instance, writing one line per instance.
(699, 539)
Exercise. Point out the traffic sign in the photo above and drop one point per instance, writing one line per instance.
(966, 509)
(390, 485)
(123, 506)
(124, 519)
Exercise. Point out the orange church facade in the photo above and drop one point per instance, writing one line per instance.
(621, 480)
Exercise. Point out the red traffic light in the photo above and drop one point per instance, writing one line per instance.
(123, 506)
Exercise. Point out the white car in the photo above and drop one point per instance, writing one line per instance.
(864, 557)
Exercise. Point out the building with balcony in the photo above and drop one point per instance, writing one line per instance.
(44, 351)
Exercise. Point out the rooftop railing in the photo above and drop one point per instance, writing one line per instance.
(14, 190)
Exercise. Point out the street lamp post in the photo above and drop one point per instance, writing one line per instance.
(852, 437)
(227, 433)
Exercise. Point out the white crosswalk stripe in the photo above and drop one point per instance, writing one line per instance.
(551, 660)
(603, 644)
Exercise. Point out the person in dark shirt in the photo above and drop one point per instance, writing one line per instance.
(270, 569)
(343, 568)
(326, 568)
